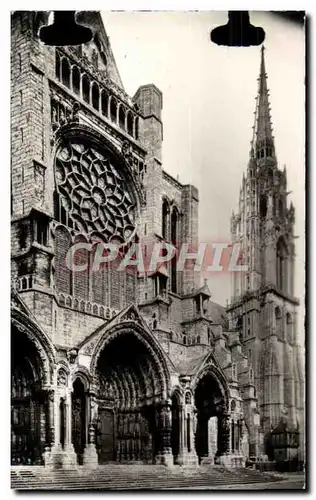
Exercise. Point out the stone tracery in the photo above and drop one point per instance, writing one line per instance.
(94, 193)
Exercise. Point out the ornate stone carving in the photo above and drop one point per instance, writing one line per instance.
(94, 193)
(62, 378)
(72, 355)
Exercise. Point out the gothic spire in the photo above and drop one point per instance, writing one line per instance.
(262, 145)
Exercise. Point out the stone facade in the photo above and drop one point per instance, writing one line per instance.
(110, 365)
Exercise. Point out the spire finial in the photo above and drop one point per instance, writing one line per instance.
(262, 140)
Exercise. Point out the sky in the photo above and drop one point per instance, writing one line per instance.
(208, 109)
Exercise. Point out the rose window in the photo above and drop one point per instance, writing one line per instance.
(94, 194)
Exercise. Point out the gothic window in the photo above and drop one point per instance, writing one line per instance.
(113, 110)
(95, 96)
(76, 80)
(130, 123)
(174, 241)
(57, 65)
(104, 103)
(233, 406)
(86, 88)
(41, 231)
(263, 206)
(65, 72)
(198, 339)
(165, 214)
(136, 128)
(281, 265)
(93, 193)
(281, 208)
(184, 339)
(278, 321)
(122, 117)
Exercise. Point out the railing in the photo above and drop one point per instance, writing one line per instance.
(25, 282)
(85, 306)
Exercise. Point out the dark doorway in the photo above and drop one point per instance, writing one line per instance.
(175, 431)
(28, 408)
(79, 430)
(209, 402)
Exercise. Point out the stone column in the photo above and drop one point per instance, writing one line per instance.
(224, 439)
(164, 421)
(181, 434)
(51, 427)
(90, 456)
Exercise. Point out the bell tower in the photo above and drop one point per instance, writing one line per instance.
(263, 305)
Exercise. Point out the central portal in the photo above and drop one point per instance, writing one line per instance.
(130, 402)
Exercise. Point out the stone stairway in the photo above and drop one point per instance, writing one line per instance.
(134, 477)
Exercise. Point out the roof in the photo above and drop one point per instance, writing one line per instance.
(218, 314)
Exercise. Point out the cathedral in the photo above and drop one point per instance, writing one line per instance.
(129, 366)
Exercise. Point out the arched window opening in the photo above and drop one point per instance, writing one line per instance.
(95, 96)
(130, 123)
(165, 213)
(136, 128)
(263, 206)
(278, 321)
(281, 208)
(76, 80)
(174, 241)
(86, 89)
(281, 270)
(104, 103)
(113, 110)
(198, 339)
(184, 339)
(122, 117)
(57, 65)
(65, 72)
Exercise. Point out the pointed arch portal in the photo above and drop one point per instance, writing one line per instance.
(133, 421)
(30, 373)
(211, 401)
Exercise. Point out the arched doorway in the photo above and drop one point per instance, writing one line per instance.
(29, 405)
(212, 430)
(79, 418)
(176, 427)
(134, 418)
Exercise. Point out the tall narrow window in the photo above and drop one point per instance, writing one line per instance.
(57, 65)
(278, 322)
(86, 88)
(113, 110)
(136, 128)
(104, 103)
(130, 123)
(281, 269)
(174, 241)
(76, 80)
(95, 96)
(65, 72)
(165, 213)
(122, 117)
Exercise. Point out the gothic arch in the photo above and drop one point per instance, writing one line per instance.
(216, 373)
(25, 325)
(162, 378)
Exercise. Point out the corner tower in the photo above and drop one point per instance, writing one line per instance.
(263, 305)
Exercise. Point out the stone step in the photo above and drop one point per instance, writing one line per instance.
(117, 477)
